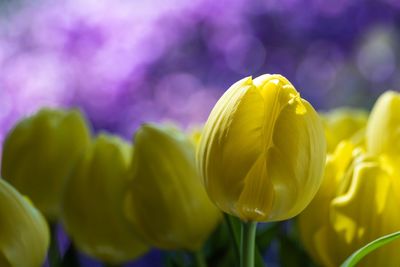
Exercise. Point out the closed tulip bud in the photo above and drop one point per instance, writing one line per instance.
(262, 150)
(24, 235)
(166, 200)
(357, 203)
(383, 129)
(344, 123)
(92, 209)
(39, 154)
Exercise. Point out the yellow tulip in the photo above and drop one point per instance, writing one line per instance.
(383, 129)
(166, 200)
(92, 209)
(39, 154)
(344, 123)
(262, 150)
(357, 203)
(24, 234)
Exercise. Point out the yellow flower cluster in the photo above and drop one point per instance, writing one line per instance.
(263, 155)
(114, 199)
(360, 194)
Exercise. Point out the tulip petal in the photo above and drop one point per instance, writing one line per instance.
(344, 123)
(24, 234)
(39, 154)
(255, 201)
(383, 129)
(352, 222)
(297, 157)
(92, 209)
(232, 141)
(166, 200)
(313, 220)
(324, 244)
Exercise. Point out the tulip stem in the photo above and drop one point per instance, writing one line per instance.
(234, 237)
(54, 251)
(199, 258)
(247, 244)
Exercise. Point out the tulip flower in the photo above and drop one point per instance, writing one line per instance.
(344, 123)
(166, 200)
(24, 234)
(92, 207)
(383, 129)
(262, 150)
(357, 203)
(39, 154)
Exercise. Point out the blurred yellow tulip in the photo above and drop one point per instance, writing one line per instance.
(24, 234)
(166, 200)
(383, 129)
(39, 154)
(344, 123)
(262, 150)
(357, 203)
(92, 209)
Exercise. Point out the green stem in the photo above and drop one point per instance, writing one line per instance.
(247, 244)
(234, 237)
(54, 252)
(199, 259)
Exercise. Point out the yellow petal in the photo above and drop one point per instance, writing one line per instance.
(255, 201)
(232, 141)
(344, 123)
(39, 154)
(92, 210)
(365, 212)
(383, 129)
(314, 219)
(166, 200)
(359, 207)
(297, 160)
(24, 235)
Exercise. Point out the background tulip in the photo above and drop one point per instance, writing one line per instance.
(316, 215)
(357, 203)
(262, 151)
(39, 153)
(24, 235)
(166, 200)
(383, 130)
(92, 209)
(344, 123)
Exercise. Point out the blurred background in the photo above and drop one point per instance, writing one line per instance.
(127, 62)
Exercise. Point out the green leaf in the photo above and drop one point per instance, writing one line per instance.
(258, 259)
(370, 247)
(234, 227)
